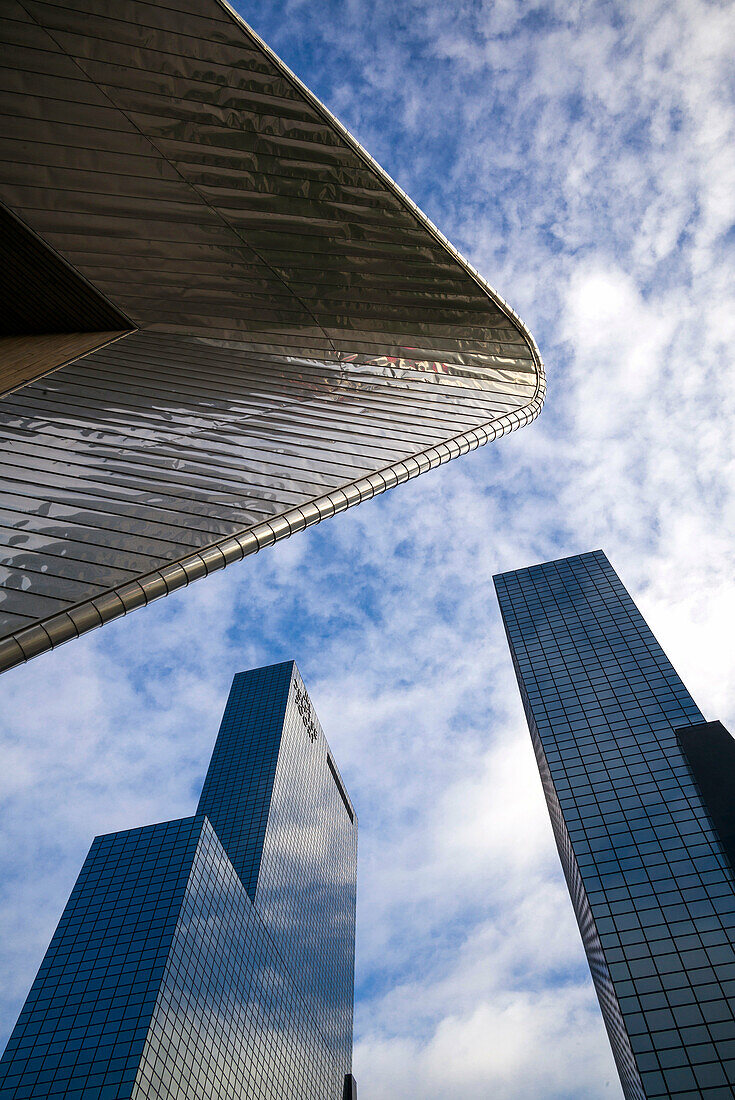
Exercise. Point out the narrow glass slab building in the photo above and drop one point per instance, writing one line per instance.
(220, 320)
(211, 956)
(640, 792)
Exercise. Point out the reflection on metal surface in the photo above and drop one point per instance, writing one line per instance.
(306, 337)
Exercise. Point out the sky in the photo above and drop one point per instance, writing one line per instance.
(580, 155)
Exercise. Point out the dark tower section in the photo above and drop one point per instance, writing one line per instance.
(710, 752)
(653, 893)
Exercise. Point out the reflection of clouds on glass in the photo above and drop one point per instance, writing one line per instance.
(306, 886)
(230, 1021)
(273, 802)
(166, 976)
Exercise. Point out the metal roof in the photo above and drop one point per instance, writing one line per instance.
(299, 335)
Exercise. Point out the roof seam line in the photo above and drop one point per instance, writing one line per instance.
(187, 183)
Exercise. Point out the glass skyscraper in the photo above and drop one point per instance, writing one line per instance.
(220, 320)
(211, 956)
(640, 793)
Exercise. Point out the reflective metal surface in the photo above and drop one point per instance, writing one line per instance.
(306, 337)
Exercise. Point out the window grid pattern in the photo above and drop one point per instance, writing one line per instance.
(230, 1022)
(652, 889)
(82, 1030)
(276, 807)
(236, 795)
(164, 980)
(307, 883)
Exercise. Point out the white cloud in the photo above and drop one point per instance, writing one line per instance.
(495, 1050)
(584, 162)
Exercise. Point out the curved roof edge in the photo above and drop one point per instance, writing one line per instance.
(116, 602)
(407, 201)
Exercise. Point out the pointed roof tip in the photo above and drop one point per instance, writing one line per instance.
(290, 663)
(550, 561)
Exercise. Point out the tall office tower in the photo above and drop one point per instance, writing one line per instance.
(251, 327)
(640, 794)
(211, 956)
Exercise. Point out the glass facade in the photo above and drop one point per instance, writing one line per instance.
(167, 976)
(651, 885)
(294, 334)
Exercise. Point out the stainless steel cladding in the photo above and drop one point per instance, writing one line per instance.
(280, 332)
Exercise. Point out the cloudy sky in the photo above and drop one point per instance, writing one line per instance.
(580, 155)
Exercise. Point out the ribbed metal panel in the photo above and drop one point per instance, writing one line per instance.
(307, 338)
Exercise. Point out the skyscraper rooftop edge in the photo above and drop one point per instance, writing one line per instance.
(639, 790)
(551, 561)
(304, 337)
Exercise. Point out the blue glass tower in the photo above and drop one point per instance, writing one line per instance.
(211, 956)
(639, 790)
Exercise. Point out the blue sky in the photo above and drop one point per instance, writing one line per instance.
(580, 155)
